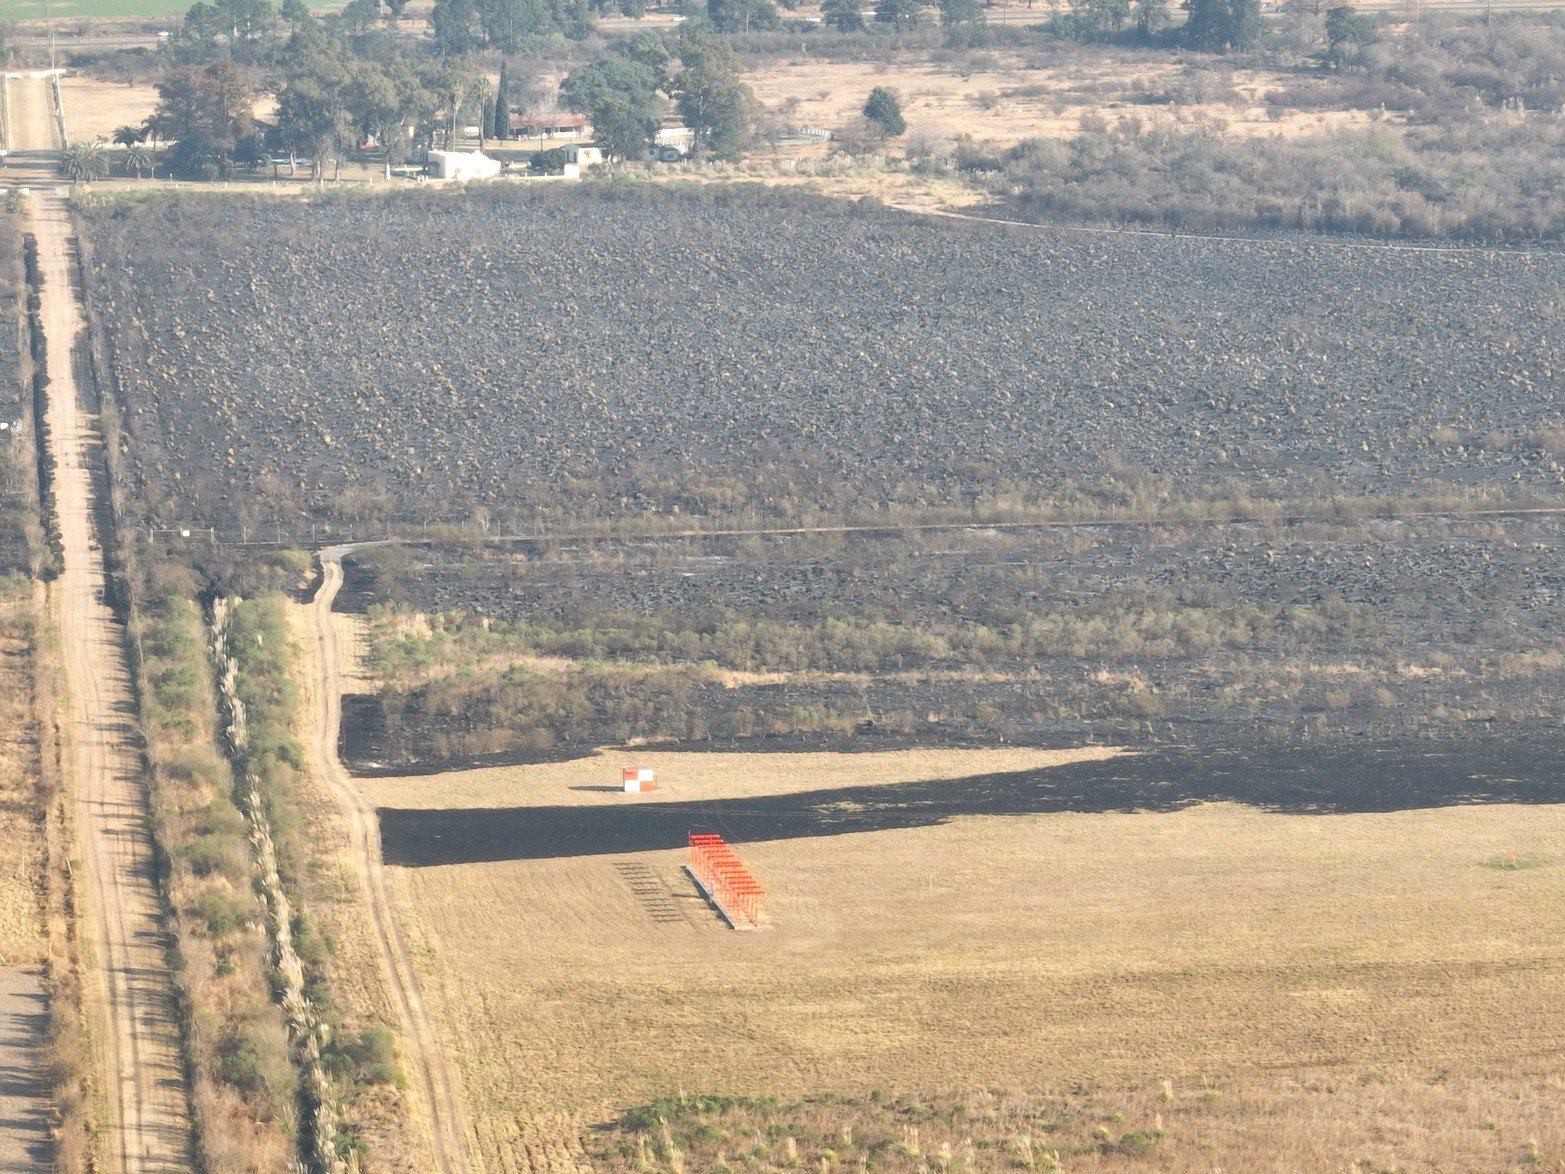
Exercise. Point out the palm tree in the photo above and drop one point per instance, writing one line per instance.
(138, 159)
(84, 162)
(128, 136)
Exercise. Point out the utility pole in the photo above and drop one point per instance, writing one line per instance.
(48, 15)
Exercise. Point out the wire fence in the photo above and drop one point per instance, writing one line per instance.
(313, 535)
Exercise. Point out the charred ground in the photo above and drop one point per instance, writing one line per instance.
(652, 360)
(560, 356)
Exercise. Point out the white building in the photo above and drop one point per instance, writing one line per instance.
(462, 165)
(584, 156)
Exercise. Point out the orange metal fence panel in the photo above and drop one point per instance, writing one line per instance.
(725, 878)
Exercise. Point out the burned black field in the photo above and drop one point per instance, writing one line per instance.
(1351, 422)
(604, 353)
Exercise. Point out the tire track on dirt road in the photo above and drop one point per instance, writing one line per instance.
(432, 1077)
(131, 995)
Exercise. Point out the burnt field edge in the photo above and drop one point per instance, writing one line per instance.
(1300, 779)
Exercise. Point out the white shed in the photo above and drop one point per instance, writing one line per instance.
(462, 165)
(584, 156)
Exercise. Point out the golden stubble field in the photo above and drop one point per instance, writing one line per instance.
(1219, 946)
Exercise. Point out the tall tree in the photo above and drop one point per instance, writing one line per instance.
(1347, 31)
(843, 15)
(1206, 26)
(1244, 25)
(251, 26)
(650, 50)
(502, 104)
(620, 97)
(213, 103)
(962, 15)
(714, 102)
(1151, 18)
(453, 22)
(884, 110)
(508, 23)
(312, 98)
(383, 101)
(1221, 25)
(359, 17)
(900, 14)
(742, 16)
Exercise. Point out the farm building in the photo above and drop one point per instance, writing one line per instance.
(584, 156)
(670, 145)
(462, 165)
(266, 128)
(552, 126)
(677, 137)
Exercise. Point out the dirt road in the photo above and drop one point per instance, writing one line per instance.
(131, 995)
(433, 1082)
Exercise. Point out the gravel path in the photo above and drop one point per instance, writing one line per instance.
(130, 989)
(434, 1082)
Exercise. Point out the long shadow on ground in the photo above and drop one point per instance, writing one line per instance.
(1297, 780)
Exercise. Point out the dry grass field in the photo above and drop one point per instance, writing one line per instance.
(96, 108)
(1339, 984)
(1002, 97)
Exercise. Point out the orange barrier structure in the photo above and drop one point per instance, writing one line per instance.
(725, 880)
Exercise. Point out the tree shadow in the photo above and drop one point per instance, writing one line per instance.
(1301, 780)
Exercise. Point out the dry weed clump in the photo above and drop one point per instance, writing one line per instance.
(1259, 1123)
(345, 1066)
(243, 1081)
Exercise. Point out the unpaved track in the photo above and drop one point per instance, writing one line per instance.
(131, 995)
(433, 1082)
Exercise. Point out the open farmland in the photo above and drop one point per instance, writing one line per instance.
(619, 353)
(1323, 881)
(1085, 957)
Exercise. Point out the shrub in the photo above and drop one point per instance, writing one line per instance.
(218, 854)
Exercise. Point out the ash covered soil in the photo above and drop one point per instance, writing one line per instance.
(606, 353)
(548, 359)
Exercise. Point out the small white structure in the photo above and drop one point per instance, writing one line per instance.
(637, 781)
(680, 137)
(583, 156)
(462, 165)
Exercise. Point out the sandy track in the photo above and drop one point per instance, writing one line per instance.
(24, 1097)
(432, 1080)
(131, 994)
